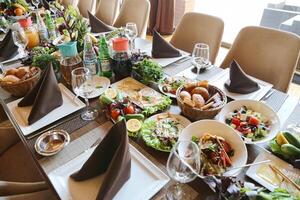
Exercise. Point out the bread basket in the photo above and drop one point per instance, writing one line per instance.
(195, 114)
(21, 88)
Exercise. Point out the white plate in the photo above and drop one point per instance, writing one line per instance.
(99, 81)
(223, 76)
(257, 106)
(181, 119)
(70, 105)
(164, 61)
(145, 180)
(283, 166)
(213, 127)
(160, 86)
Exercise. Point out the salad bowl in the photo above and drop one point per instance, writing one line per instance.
(200, 128)
(259, 117)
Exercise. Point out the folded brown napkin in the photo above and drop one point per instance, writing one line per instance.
(8, 49)
(162, 48)
(112, 156)
(239, 81)
(98, 26)
(44, 97)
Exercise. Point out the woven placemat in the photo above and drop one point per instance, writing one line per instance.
(177, 67)
(276, 100)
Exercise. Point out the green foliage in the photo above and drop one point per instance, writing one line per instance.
(149, 71)
(42, 61)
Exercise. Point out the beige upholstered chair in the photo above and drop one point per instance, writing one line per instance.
(136, 11)
(267, 54)
(69, 2)
(86, 5)
(108, 10)
(199, 28)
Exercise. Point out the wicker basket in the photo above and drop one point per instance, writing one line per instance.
(21, 88)
(195, 114)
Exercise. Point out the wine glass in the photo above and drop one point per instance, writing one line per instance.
(200, 56)
(82, 83)
(184, 156)
(20, 39)
(131, 32)
(53, 8)
(36, 3)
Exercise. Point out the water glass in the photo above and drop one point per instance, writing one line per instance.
(200, 56)
(20, 39)
(83, 86)
(132, 33)
(184, 156)
(36, 3)
(53, 8)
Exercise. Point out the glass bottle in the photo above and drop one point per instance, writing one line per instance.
(104, 58)
(31, 32)
(50, 25)
(43, 33)
(89, 56)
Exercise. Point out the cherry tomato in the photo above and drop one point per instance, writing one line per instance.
(129, 109)
(113, 106)
(235, 121)
(254, 121)
(115, 113)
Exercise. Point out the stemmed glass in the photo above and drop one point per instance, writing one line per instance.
(200, 56)
(53, 8)
(131, 32)
(36, 3)
(20, 39)
(82, 83)
(184, 156)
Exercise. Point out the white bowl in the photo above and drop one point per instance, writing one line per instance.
(257, 106)
(199, 128)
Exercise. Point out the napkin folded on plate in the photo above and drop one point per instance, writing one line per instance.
(239, 81)
(162, 48)
(98, 26)
(8, 47)
(112, 156)
(44, 97)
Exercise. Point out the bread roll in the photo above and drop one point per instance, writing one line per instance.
(11, 71)
(22, 71)
(202, 91)
(198, 100)
(11, 79)
(184, 95)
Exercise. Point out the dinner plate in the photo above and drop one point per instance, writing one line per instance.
(265, 176)
(152, 141)
(145, 181)
(257, 106)
(20, 114)
(220, 79)
(213, 127)
(161, 85)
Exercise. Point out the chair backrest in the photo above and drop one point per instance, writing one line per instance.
(267, 54)
(108, 10)
(136, 11)
(199, 28)
(86, 5)
(69, 2)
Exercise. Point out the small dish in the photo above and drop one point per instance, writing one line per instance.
(51, 142)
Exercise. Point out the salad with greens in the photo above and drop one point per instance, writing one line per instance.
(161, 132)
(149, 71)
(249, 123)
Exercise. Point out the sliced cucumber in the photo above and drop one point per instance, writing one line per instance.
(134, 116)
(290, 150)
(292, 139)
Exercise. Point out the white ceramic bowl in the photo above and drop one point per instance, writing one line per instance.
(257, 106)
(199, 128)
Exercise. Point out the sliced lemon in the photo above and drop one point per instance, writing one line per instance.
(133, 125)
(111, 93)
(280, 139)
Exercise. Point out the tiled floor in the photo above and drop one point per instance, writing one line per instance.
(294, 88)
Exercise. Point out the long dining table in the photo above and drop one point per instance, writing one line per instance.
(86, 134)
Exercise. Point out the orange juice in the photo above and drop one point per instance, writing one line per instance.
(33, 38)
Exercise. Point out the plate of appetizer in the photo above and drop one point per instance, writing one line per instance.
(119, 107)
(221, 147)
(149, 100)
(161, 131)
(275, 174)
(169, 85)
(255, 121)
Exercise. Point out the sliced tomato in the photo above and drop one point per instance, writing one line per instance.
(115, 113)
(129, 109)
(235, 121)
(254, 121)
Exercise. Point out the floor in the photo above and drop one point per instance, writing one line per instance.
(294, 88)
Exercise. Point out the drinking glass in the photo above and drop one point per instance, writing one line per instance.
(184, 156)
(53, 8)
(20, 39)
(36, 3)
(82, 83)
(131, 32)
(200, 56)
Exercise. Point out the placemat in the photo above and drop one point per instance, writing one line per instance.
(294, 118)
(276, 100)
(191, 73)
(177, 67)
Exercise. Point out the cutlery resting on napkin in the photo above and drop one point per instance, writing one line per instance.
(112, 157)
